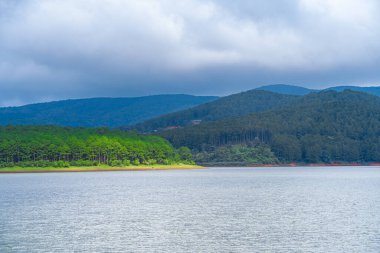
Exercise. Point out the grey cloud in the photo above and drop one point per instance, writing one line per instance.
(52, 49)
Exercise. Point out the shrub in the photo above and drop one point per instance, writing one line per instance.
(126, 162)
(63, 164)
(84, 163)
(116, 163)
(136, 162)
(41, 164)
(151, 162)
(6, 165)
(165, 162)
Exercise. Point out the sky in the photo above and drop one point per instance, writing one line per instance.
(54, 49)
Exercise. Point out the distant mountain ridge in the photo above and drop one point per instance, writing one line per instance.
(374, 90)
(301, 91)
(156, 112)
(287, 89)
(99, 112)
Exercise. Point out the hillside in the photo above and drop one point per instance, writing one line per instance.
(98, 112)
(233, 105)
(321, 127)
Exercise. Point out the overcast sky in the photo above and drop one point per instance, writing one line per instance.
(54, 49)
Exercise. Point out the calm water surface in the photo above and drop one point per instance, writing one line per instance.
(215, 210)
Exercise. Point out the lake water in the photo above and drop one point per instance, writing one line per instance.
(215, 210)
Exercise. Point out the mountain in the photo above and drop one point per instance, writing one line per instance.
(99, 112)
(230, 106)
(323, 127)
(287, 89)
(370, 90)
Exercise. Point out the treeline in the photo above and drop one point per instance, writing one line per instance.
(42, 146)
(325, 127)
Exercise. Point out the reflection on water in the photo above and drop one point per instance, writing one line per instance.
(216, 210)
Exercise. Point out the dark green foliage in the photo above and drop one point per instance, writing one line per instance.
(230, 106)
(48, 146)
(237, 154)
(323, 127)
(98, 112)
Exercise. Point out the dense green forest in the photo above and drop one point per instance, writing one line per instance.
(42, 146)
(98, 112)
(240, 154)
(233, 105)
(321, 127)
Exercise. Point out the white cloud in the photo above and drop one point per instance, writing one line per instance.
(354, 12)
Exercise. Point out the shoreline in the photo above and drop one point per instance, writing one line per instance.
(170, 167)
(213, 165)
(320, 165)
(99, 169)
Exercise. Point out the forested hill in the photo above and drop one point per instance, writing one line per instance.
(321, 127)
(233, 105)
(42, 146)
(98, 112)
